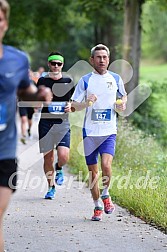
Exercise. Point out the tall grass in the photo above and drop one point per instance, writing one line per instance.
(139, 173)
(145, 194)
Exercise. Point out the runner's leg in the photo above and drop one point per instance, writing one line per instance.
(48, 167)
(5, 194)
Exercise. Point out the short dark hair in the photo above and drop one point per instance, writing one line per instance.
(55, 53)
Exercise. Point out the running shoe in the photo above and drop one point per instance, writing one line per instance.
(98, 211)
(51, 193)
(59, 178)
(108, 205)
(23, 140)
(29, 132)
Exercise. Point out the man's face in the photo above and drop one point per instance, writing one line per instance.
(100, 61)
(3, 25)
(55, 66)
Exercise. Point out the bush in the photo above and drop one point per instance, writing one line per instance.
(151, 116)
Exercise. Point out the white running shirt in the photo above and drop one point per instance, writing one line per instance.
(100, 119)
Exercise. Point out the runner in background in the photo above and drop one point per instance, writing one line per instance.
(36, 75)
(26, 118)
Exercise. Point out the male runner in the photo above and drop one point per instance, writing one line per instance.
(100, 90)
(13, 77)
(54, 126)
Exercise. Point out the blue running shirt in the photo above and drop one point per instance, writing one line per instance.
(14, 68)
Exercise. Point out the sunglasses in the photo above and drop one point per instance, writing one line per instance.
(56, 63)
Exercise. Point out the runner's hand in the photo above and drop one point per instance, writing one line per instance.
(120, 105)
(91, 99)
(44, 94)
(68, 107)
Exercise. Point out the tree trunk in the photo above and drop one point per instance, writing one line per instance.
(106, 36)
(96, 34)
(108, 39)
(132, 39)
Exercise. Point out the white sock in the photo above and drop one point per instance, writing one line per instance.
(105, 192)
(97, 203)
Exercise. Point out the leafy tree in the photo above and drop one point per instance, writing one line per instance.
(147, 116)
(106, 19)
(132, 33)
(154, 35)
(38, 27)
(33, 21)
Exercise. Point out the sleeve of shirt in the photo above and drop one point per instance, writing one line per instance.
(121, 88)
(40, 81)
(79, 92)
(24, 73)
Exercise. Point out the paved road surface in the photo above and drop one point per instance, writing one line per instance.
(34, 224)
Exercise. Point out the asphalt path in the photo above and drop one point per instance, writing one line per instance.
(34, 224)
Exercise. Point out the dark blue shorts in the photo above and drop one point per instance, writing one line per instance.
(24, 111)
(8, 175)
(52, 135)
(94, 145)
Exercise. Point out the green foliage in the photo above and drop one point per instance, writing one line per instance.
(39, 27)
(75, 26)
(151, 115)
(32, 21)
(154, 27)
(20, 24)
(138, 151)
(101, 8)
(103, 15)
